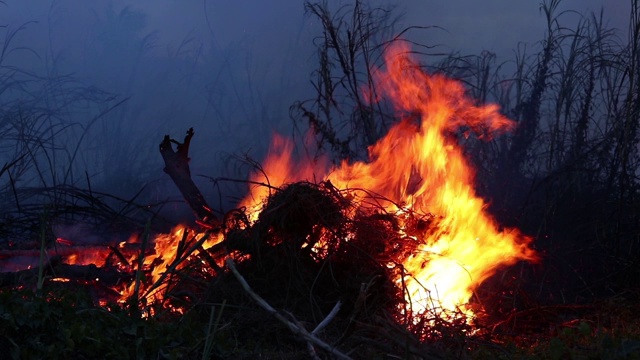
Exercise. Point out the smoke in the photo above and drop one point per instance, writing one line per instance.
(229, 72)
(117, 75)
(500, 25)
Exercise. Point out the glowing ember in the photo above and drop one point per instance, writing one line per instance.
(165, 251)
(158, 257)
(418, 166)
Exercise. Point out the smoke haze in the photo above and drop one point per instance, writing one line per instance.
(229, 69)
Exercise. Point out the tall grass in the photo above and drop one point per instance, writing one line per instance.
(569, 173)
(46, 121)
(349, 48)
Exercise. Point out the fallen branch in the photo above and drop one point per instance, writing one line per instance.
(296, 329)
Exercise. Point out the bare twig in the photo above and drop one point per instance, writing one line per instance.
(327, 319)
(296, 329)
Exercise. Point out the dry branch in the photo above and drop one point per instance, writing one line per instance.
(177, 166)
(296, 329)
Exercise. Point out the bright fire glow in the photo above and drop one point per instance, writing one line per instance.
(158, 257)
(417, 167)
(165, 250)
(420, 166)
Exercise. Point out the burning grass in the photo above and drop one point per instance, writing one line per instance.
(363, 237)
(310, 249)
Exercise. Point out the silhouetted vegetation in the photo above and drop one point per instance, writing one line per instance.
(569, 175)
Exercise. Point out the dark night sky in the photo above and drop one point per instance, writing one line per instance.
(229, 68)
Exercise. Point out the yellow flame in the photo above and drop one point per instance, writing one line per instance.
(419, 167)
(419, 164)
(164, 253)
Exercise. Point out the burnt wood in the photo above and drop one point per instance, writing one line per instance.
(177, 167)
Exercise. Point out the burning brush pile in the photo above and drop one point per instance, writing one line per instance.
(361, 254)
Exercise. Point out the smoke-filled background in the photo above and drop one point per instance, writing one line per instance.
(89, 88)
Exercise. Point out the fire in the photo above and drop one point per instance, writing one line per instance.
(158, 263)
(278, 168)
(152, 258)
(418, 166)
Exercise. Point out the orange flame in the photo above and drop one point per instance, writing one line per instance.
(165, 251)
(278, 168)
(156, 262)
(419, 166)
